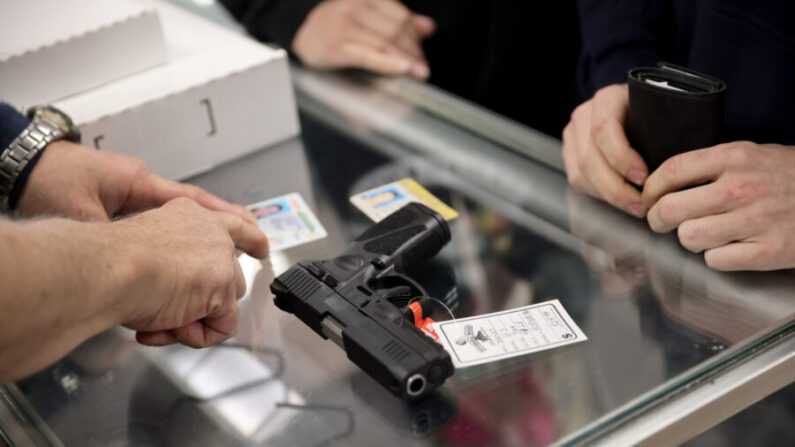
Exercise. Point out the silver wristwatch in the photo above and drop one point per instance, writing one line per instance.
(47, 125)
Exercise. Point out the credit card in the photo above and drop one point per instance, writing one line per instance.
(380, 202)
(287, 221)
(510, 333)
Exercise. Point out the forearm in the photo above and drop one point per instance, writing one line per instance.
(60, 286)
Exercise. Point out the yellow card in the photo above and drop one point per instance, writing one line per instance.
(380, 202)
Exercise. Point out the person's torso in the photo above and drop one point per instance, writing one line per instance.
(751, 46)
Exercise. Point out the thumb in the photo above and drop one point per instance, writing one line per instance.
(424, 24)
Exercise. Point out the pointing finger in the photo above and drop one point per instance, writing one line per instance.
(245, 235)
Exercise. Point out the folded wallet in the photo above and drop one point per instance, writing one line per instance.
(673, 110)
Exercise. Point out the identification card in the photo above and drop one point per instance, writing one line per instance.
(380, 202)
(511, 333)
(287, 221)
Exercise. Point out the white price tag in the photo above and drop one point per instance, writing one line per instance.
(511, 333)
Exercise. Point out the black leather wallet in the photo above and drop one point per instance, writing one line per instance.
(673, 110)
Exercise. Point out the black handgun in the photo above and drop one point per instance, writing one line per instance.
(364, 302)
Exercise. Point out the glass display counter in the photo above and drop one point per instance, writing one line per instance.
(673, 347)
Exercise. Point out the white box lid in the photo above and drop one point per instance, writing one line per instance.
(51, 49)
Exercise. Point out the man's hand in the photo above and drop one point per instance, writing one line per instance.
(598, 158)
(169, 273)
(83, 183)
(376, 35)
(740, 209)
(189, 278)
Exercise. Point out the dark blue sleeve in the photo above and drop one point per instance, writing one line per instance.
(12, 123)
(618, 35)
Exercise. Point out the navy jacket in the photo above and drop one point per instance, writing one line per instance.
(749, 44)
(12, 123)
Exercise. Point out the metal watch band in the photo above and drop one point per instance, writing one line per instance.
(39, 133)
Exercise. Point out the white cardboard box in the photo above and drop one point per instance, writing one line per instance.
(51, 49)
(220, 95)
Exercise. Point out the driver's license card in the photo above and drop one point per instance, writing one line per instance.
(377, 203)
(287, 221)
(510, 333)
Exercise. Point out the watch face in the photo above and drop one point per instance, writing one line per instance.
(56, 117)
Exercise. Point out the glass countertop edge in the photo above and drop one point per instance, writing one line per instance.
(670, 389)
(479, 120)
(26, 417)
(448, 107)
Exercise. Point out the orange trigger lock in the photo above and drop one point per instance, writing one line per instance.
(423, 323)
